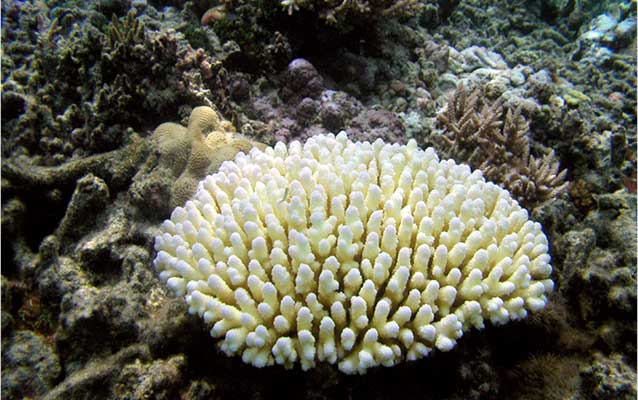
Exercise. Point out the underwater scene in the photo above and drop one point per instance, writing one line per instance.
(318, 199)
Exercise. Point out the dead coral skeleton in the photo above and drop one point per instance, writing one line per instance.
(116, 167)
(496, 141)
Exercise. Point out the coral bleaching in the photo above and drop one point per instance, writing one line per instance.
(360, 254)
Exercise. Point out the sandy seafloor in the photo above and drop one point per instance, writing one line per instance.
(85, 83)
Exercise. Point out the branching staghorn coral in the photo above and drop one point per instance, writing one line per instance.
(354, 254)
(499, 146)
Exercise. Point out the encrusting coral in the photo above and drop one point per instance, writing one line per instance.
(499, 146)
(360, 254)
(197, 150)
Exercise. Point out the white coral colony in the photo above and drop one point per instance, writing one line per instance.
(360, 254)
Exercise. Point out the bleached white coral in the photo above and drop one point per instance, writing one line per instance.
(352, 253)
(290, 5)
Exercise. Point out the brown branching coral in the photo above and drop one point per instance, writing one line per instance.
(129, 31)
(496, 141)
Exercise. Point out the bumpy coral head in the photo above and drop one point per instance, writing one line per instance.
(356, 254)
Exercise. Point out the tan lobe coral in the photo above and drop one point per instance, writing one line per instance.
(198, 150)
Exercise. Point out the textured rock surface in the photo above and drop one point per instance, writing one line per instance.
(306, 106)
(30, 366)
(610, 378)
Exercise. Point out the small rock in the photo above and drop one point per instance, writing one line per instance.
(30, 366)
(302, 80)
(446, 82)
(479, 57)
(609, 378)
(240, 90)
(626, 30)
(331, 116)
(517, 78)
(604, 23)
(90, 196)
